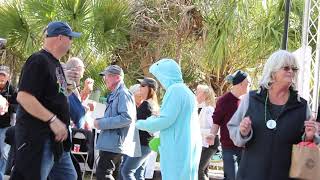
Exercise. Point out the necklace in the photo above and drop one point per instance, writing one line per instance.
(271, 123)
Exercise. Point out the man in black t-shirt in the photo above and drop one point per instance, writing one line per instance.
(42, 137)
(8, 94)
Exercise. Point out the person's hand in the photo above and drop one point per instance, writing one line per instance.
(210, 139)
(245, 126)
(87, 126)
(88, 84)
(73, 75)
(91, 106)
(311, 128)
(59, 129)
(86, 107)
(4, 105)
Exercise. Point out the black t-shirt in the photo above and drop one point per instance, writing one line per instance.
(42, 76)
(143, 112)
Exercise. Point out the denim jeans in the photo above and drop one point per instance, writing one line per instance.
(4, 149)
(206, 155)
(231, 160)
(62, 169)
(134, 167)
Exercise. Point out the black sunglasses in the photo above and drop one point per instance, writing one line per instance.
(70, 37)
(287, 68)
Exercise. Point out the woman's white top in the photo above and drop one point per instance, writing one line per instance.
(206, 122)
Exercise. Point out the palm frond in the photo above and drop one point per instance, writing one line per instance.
(112, 23)
(17, 30)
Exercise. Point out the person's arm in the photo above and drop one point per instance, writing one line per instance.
(87, 89)
(234, 123)
(169, 112)
(127, 113)
(13, 100)
(213, 133)
(217, 120)
(214, 127)
(311, 128)
(33, 106)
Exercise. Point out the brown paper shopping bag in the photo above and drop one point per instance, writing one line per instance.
(305, 163)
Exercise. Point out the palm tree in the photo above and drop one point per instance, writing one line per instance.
(104, 26)
(241, 34)
(209, 38)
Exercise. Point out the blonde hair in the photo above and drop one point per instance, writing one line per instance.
(210, 95)
(275, 62)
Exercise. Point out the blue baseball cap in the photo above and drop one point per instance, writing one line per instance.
(57, 28)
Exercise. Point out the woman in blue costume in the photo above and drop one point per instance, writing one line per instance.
(180, 137)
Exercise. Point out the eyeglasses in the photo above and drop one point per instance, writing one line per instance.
(287, 68)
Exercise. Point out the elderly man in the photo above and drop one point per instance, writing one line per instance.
(78, 107)
(118, 135)
(8, 94)
(43, 116)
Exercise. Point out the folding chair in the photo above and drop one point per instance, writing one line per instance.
(80, 137)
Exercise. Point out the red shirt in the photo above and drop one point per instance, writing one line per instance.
(226, 106)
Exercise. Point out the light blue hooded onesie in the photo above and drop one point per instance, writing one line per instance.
(180, 138)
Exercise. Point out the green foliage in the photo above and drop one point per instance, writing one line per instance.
(93, 70)
(112, 22)
(209, 38)
(16, 29)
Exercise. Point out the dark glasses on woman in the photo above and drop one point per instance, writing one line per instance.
(288, 68)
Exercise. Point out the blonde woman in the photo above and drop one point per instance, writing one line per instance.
(206, 104)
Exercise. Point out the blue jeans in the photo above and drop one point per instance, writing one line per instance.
(4, 149)
(231, 160)
(61, 169)
(134, 167)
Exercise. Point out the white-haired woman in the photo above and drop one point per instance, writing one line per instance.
(270, 120)
(135, 90)
(206, 103)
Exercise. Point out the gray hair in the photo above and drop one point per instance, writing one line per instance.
(275, 62)
(134, 88)
(74, 62)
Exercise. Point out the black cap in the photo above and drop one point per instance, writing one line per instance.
(237, 77)
(146, 81)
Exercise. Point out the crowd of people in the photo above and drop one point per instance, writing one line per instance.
(256, 129)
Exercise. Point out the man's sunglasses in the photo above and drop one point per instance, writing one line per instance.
(70, 37)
